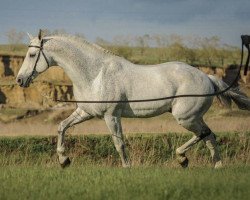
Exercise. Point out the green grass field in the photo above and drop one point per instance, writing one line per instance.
(92, 182)
(29, 169)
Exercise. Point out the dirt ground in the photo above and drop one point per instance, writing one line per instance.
(219, 120)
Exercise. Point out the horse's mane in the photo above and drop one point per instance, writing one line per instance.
(81, 41)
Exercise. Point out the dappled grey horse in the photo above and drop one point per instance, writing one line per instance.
(98, 75)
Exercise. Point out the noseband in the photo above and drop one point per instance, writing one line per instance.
(38, 57)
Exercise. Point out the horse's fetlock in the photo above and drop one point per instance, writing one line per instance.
(179, 152)
(60, 150)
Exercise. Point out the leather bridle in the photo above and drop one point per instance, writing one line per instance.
(34, 71)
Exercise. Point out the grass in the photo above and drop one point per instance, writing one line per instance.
(93, 182)
(146, 150)
(17, 50)
(29, 169)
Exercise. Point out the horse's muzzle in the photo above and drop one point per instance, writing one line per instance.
(23, 81)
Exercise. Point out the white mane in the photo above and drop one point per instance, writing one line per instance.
(81, 42)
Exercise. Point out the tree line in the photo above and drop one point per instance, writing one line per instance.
(156, 48)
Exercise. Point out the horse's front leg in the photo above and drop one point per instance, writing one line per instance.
(76, 117)
(115, 127)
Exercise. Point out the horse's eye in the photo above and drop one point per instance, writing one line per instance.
(32, 55)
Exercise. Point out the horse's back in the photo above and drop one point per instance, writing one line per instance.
(181, 77)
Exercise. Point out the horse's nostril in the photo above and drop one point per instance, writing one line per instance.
(20, 81)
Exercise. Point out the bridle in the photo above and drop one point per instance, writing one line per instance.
(34, 71)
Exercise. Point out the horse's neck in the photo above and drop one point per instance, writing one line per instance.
(81, 65)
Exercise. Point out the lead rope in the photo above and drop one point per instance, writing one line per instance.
(245, 42)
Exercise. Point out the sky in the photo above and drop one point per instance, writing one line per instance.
(227, 19)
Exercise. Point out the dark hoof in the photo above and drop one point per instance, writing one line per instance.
(184, 164)
(66, 163)
(183, 161)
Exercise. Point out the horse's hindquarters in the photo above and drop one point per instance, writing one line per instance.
(189, 109)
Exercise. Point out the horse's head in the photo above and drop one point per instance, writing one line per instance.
(35, 62)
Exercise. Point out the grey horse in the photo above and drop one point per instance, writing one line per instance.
(98, 74)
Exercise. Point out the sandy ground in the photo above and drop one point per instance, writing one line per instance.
(98, 126)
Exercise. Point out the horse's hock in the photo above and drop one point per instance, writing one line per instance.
(55, 84)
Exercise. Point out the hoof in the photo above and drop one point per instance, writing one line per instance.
(183, 161)
(184, 164)
(65, 163)
(218, 165)
(126, 166)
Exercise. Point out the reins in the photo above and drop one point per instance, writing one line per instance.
(245, 42)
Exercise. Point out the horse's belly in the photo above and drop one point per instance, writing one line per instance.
(145, 109)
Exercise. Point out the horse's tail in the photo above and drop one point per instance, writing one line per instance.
(241, 99)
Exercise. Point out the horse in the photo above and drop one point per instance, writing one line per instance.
(98, 74)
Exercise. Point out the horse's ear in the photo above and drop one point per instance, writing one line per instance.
(46, 40)
(40, 34)
(30, 36)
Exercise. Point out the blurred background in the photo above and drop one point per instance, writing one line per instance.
(204, 34)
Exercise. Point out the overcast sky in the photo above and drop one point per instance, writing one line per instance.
(227, 19)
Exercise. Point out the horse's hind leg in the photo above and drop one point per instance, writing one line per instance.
(115, 127)
(202, 132)
(180, 152)
(211, 143)
(76, 117)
